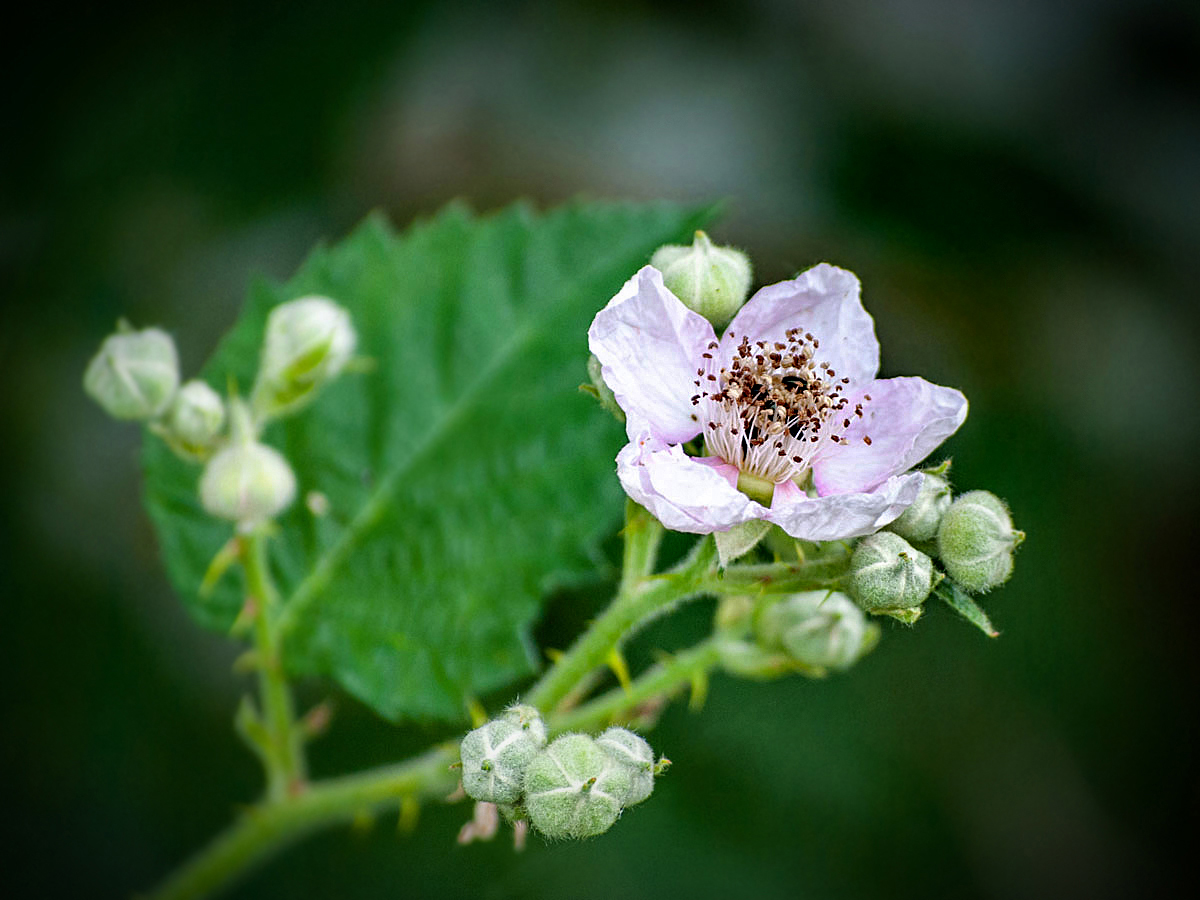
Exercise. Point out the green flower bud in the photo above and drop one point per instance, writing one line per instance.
(573, 789)
(976, 541)
(495, 757)
(747, 659)
(308, 342)
(919, 523)
(135, 374)
(888, 577)
(713, 281)
(195, 420)
(820, 629)
(246, 482)
(529, 720)
(632, 751)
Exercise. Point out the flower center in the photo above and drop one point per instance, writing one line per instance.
(773, 406)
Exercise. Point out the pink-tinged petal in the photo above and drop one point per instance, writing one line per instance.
(685, 494)
(906, 419)
(842, 515)
(825, 302)
(649, 347)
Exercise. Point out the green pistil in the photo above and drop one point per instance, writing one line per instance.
(757, 489)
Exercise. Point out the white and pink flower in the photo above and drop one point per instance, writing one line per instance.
(796, 427)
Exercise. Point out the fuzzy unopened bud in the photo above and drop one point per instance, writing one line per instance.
(713, 281)
(246, 482)
(529, 720)
(632, 751)
(976, 541)
(573, 789)
(194, 420)
(820, 629)
(889, 577)
(749, 659)
(135, 374)
(494, 759)
(919, 523)
(308, 342)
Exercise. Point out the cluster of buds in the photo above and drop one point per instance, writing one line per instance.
(135, 376)
(811, 633)
(572, 787)
(894, 571)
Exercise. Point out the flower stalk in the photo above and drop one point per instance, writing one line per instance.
(638, 601)
(283, 756)
(265, 829)
(293, 808)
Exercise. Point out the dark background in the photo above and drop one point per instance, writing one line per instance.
(1016, 183)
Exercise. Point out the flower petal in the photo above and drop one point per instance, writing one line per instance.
(906, 419)
(649, 347)
(697, 495)
(824, 301)
(841, 515)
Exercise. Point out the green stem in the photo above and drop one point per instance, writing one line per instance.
(776, 578)
(661, 680)
(284, 760)
(642, 533)
(286, 814)
(634, 606)
(265, 829)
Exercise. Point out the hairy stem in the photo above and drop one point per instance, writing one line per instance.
(660, 681)
(287, 814)
(284, 757)
(636, 604)
(643, 534)
(267, 828)
(776, 578)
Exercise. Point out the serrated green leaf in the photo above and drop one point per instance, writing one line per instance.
(963, 604)
(464, 474)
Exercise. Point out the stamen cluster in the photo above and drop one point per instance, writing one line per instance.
(771, 407)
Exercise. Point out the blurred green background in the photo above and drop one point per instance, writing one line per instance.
(1017, 185)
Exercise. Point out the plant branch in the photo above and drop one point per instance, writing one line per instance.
(265, 829)
(775, 578)
(287, 815)
(636, 604)
(662, 680)
(283, 758)
(643, 534)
